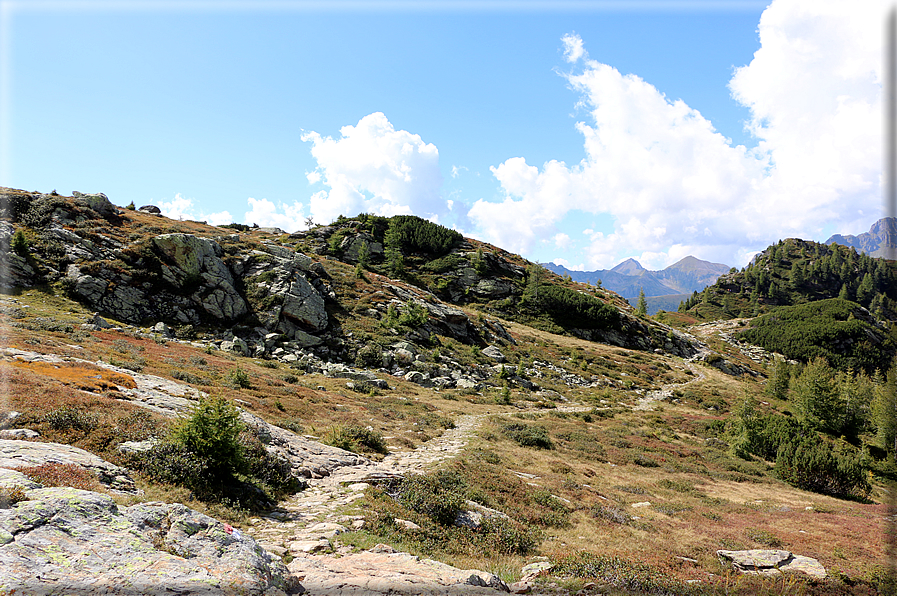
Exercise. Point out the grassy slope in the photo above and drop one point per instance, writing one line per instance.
(702, 499)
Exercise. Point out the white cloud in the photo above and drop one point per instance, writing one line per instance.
(670, 180)
(266, 214)
(562, 241)
(183, 208)
(573, 47)
(375, 168)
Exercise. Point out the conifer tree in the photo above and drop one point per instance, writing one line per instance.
(641, 307)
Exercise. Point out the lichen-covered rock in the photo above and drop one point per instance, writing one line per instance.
(194, 264)
(772, 562)
(69, 541)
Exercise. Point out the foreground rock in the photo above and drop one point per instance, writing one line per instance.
(64, 540)
(772, 562)
(388, 572)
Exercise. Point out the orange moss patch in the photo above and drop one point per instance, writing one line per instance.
(83, 376)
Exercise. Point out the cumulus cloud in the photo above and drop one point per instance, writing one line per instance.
(669, 179)
(372, 167)
(266, 214)
(183, 208)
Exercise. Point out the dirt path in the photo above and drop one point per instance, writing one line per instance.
(666, 391)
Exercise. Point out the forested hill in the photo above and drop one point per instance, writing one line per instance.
(856, 296)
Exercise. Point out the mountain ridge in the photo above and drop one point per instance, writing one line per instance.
(629, 277)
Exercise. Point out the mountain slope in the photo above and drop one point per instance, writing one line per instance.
(879, 241)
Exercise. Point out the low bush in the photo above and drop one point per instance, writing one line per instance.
(70, 418)
(619, 572)
(440, 495)
(527, 435)
(56, 474)
(356, 438)
(10, 495)
(238, 379)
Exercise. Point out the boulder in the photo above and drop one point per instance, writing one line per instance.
(150, 209)
(98, 202)
(64, 540)
(494, 353)
(771, 562)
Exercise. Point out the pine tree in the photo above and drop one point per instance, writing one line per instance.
(865, 290)
(816, 398)
(392, 249)
(641, 307)
(777, 385)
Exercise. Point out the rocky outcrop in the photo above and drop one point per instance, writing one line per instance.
(382, 570)
(61, 539)
(771, 562)
(20, 454)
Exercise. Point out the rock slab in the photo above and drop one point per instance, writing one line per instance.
(63, 540)
(772, 562)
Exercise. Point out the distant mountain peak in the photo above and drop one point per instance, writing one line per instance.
(881, 236)
(629, 267)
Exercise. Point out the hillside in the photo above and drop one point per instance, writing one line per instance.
(629, 278)
(380, 386)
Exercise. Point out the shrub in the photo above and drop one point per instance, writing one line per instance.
(69, 418)
(811, 464)
(238, 379)
(19, 243)
(764, 537)
(356, 438)
(527, 435)
(56, 474)
(139, 425)
(616, 571)
(212, 433)
(439, 496)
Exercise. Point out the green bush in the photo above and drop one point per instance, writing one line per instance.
(415, 234)
(211, 433)
(440, 495)
(812, 464)
(70, 418)
(356, 438)
(527, 435)
(238, 379)
(19, 243)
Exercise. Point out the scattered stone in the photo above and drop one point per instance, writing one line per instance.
(408, 525)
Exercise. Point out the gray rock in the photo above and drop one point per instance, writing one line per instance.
(192, 263)
(19, 433)
(81, 542)
(303, 308)
(162, 329)
(98, 202)
(150, 209)
(771, 562)
(494, 353)
(235, 346)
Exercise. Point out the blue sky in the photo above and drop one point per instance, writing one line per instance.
(584, 134)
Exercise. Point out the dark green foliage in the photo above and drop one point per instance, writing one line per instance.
(641, 307)
(413, 234)
(238, 379)
(370, 356)
(19, 243)
(568, 308)
(813, 464)
(829, 328)
(237, 226)
(527, 435)
(357, 439)
(440, 495)
(444, 264)
(130, 206)
(211, 433)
